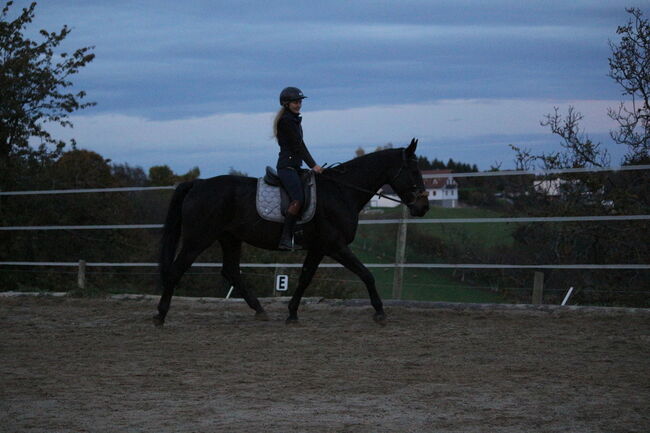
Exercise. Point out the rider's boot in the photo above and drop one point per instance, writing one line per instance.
(286, 240)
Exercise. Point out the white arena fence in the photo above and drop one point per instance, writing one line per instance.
(366, 222)
(399, 265)
(361, 222)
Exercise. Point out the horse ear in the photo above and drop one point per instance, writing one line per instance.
(411, 149)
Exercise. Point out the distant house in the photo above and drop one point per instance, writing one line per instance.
(560, 188)
(551, 188)
(443, 191)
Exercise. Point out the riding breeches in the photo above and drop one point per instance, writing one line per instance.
(291, 181)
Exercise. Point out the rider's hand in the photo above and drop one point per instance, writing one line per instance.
(317, 168)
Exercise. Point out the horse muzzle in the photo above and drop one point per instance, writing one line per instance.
(420, 204)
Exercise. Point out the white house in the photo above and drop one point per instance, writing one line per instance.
(443, 191)
(551, 188)
(557, 188)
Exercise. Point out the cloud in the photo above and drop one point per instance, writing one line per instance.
(471, 130)
(164, 60)
(466, 77)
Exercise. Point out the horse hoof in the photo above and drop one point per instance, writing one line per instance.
(158, 321)
(380, 318)
(262, 316)
(291, 322)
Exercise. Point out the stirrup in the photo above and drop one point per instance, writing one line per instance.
(284, 246)
(293, 246)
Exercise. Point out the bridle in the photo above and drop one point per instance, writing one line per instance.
(417, 192)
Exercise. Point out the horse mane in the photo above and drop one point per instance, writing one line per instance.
(369, 161)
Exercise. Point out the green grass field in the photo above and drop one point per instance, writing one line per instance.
(432, 285)
(486, 234)
(426, 244)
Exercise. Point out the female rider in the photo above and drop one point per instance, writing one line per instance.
(293, 151)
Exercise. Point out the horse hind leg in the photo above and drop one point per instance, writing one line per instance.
(231, 271)
(309, 268)
(181, 264)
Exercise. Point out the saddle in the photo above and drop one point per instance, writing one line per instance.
(272, 200)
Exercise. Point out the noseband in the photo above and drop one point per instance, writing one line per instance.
(417, 193)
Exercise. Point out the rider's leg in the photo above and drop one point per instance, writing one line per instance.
(290, 219)
(291, 181)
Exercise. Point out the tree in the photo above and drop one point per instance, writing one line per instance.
(161, 175)
(191, 174)
(81, 169)
(630, 68)
(234, 172)
(33, 83)
(125, 176)
(581, 194)
(388, 145)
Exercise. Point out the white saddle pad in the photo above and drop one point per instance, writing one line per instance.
(268, 202)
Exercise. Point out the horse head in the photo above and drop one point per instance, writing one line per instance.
(408, 183)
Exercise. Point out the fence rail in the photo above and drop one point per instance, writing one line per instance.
(425, 176)
(540, 172)
(336, 265)
(399, 266)
(366, 222)
(89, 190)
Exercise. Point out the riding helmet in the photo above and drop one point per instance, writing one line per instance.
(290, 94)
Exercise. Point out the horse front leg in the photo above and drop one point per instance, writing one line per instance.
(309, 268)
(347, 258)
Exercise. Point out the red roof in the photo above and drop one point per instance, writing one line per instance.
(430, 183)
(437, 182)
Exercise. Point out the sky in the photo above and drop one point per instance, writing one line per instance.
(196, 83)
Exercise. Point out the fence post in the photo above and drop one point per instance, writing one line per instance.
(275, 279)
(81, 276)
(400, 250)
(538, 288)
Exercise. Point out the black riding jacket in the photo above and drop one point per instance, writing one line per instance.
(293, 150)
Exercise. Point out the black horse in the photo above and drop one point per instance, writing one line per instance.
(223, 208)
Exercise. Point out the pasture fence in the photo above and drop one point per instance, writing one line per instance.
(399, 263)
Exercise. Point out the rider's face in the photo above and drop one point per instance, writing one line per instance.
(294, 106)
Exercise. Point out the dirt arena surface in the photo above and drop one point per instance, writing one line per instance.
(98, 365)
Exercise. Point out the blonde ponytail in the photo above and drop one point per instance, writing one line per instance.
(276, 120)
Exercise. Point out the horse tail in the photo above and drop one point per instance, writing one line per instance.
(172, 229)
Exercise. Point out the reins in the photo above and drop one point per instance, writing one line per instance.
(379, 194)
(358, 188)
